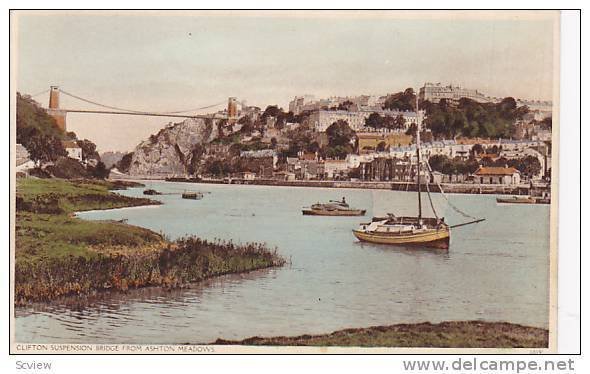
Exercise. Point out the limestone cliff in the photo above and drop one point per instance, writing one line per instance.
(170, 151)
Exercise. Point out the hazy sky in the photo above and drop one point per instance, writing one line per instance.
(166, 63)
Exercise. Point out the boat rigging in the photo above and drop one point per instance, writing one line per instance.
(413, 230)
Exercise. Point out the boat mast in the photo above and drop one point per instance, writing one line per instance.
(418, 126)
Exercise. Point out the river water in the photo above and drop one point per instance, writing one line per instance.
(497, 270)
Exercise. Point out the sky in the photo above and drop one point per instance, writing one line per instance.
(176, 61)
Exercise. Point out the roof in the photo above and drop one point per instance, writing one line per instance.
(489, 155)
(308, 156)
(69, 144)
(495, 170)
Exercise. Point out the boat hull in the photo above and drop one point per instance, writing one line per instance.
(524, 200)
(334, 213)
(521, 200)
(434, 239)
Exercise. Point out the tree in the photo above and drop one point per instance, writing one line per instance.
(346, 105)
(100, 171)
(399, 122)
(529, 166)
(374, 120)
(401, 100)
(340, 137)
(477, 149)
(473, 119)
(339, 133)
(547, 123)
(217, 167)
(45, 148)
(88, 150)
(272, 111)
(412, 129)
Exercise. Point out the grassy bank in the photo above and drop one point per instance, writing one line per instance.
(59, 254)
(468, 334)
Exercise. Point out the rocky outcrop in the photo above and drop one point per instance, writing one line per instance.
(170, 151)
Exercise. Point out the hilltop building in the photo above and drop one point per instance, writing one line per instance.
(434, 92)
(320, 120)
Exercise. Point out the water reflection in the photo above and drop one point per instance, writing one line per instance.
(413, 251)
(115, 304)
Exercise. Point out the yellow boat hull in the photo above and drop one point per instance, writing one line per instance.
(434, 238)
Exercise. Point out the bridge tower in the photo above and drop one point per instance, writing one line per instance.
(58, 115)
(232, 109)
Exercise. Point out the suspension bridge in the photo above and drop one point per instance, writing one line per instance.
(59, 114)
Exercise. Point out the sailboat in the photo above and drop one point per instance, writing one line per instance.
(412, 230)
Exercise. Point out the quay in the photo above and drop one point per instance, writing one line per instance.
(466, 188)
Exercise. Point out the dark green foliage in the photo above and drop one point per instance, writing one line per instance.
(272, 111)
(217, 167)
(44, 148)
(340, 136)
(529, 166)
(301, 139)
(100, 171)
(547, 123)
(472, 119)
(346, 105)
(88, 149)
(32, 120)
(403, 101)
(37, 131)
(68, 168)
(376, 121)
(477, 149)
(455, 166)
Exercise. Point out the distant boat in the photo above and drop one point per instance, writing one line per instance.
(151, 192)
(332, 208)
(192, 195)
(411, 230)
(523, 200)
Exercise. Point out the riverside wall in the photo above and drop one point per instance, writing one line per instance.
(467, 188)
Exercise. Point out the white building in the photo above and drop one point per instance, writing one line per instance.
(434, 92)
(74, 151)
(497, 175)
(320, 120)
(333, 168)
(298, 104)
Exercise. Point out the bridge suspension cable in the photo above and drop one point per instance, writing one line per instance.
(138, 111)
(40, 93)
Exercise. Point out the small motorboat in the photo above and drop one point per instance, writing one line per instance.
(333, 208)
(192, 195)
(516, 200)
(150, 191)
